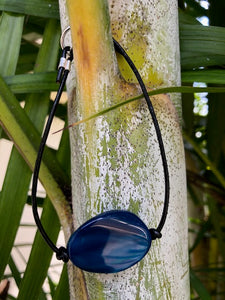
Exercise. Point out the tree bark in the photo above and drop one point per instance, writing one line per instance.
(116, 162)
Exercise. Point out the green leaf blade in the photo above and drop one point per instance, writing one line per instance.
(11, 27)
(35, 274)
(199, 287)
(38, 8)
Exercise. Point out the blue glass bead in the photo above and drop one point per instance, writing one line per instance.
(110, 242)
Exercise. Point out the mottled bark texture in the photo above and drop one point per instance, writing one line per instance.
(116, 162)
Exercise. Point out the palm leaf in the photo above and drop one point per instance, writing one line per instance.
(35, 274)
(40, 8)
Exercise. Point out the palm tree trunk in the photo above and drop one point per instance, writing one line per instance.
(116, 161)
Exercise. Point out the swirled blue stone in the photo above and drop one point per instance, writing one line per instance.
(110, 242)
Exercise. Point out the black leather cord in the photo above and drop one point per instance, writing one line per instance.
(155, 232)
(61, 253)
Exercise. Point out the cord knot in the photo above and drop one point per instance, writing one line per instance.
(62, 254)
(155, 234)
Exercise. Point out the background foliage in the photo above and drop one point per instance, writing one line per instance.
(29, 44)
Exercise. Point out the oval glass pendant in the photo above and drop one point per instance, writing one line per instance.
(110, 242)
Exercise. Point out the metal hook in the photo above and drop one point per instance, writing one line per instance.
(63, 37)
